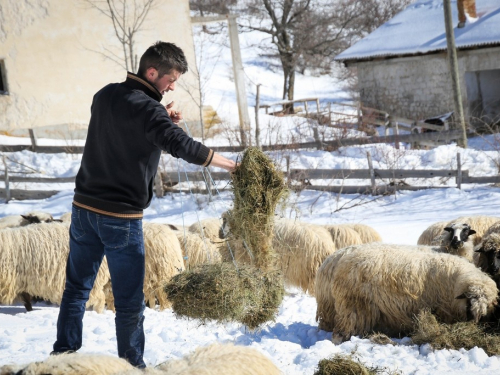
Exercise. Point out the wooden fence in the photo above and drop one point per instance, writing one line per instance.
(298, 179)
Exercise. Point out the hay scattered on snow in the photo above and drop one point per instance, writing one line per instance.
(347, 365)
(454, 336)
(223, 293)
(258, 188)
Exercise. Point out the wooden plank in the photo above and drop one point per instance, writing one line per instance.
(327, 174)
(43, 149)
(19, 194)
(480, 180)
(40, 179)
(346, 189)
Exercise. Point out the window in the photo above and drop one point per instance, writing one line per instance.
(3, 82)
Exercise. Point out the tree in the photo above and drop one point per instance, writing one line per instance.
(307, 34)
(127, 17)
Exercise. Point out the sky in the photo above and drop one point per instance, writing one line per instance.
(293, 341)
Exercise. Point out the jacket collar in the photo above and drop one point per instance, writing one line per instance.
(138, 83)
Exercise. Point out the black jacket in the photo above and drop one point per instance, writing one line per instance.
(128, 129)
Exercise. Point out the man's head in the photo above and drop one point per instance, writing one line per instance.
(162, 64)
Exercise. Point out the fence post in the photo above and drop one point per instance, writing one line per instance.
(372, 172)
(33, 139)
(159, 184)
(287, 158)
(459, 171)
(257, 128)
(7, 187)
(317, 139)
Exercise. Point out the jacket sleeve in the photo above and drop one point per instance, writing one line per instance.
(163, 133)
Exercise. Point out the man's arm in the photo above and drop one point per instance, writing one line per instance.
(222, 162)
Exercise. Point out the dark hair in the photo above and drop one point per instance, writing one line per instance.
(163, 57)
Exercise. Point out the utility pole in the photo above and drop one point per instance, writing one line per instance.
(455, 77)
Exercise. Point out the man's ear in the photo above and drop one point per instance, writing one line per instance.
(151, 73)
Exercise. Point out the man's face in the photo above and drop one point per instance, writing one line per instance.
(166, 82)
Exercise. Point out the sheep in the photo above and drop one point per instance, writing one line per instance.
(487, 255)
(66, 217)
(381, 287)
(163, 261)
(457, 239)
(33, 260)
(197, 250)
(367, 233)
(479, 223)
(207, 228)
(74, 364)
(34, 217)
(300, 249)
(343, 236)
(221, 359)
(430, 233)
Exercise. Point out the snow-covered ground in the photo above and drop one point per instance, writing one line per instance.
(293, 341)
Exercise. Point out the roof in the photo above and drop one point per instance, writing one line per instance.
(420, 29)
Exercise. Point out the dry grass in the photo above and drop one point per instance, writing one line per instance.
(348, 365)
(223, 293)
(459, 335)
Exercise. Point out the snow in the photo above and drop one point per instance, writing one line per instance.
(293, 342)
(420, 28)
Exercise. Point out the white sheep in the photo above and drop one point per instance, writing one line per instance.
(431, 232)
(343, 235)
(33, 260)
(33, 217)
(367, 233)
(71, 364)
(381, 287)
(197, 250)
(163, 257)
(221, 359)
(480, 223)
(300, 248)
(207, 228)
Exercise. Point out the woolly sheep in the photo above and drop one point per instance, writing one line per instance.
(479, 223)
(487, 252)
(381, 287)
(457, 239)
(221, 359)
(33, 260)
(430, 233)
(343, 236)
(163, 261)
(34, 217)
(66, 217)
(73, 364)
(207, 228)
(367, 233)
(197, 250)
(300, 247)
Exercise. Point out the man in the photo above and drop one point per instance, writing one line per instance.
(128, 130)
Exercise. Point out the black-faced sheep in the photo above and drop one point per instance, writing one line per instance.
(34, 217)
(457, 239)
(33, 260)
(381, 287)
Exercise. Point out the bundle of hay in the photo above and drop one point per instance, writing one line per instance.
(258, 188)
(225, 293)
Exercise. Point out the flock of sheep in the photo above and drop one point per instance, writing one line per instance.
(360, 283)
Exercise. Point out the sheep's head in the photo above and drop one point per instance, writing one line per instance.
(459, 234)
(37, 218)
(480, 302)
(489, 254)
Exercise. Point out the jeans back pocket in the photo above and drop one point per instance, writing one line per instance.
(114, 232)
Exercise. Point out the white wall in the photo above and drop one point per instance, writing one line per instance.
(53, 56)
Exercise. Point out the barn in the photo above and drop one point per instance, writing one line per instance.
(402, 67)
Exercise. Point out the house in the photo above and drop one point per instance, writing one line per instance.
(56, 54)
(403, 67)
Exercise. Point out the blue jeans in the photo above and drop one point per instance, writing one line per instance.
(91, 237)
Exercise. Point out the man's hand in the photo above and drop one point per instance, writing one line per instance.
(175, 116)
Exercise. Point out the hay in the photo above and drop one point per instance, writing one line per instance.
(223, 293)
(258, 188)
(347, 365)
(459, 335)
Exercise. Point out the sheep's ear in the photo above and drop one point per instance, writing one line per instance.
(26, 217)
(58, 220)
(471, 232)
(448, 229)
(479, 249)
(461, 296)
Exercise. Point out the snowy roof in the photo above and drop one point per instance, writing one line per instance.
(420, 29)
